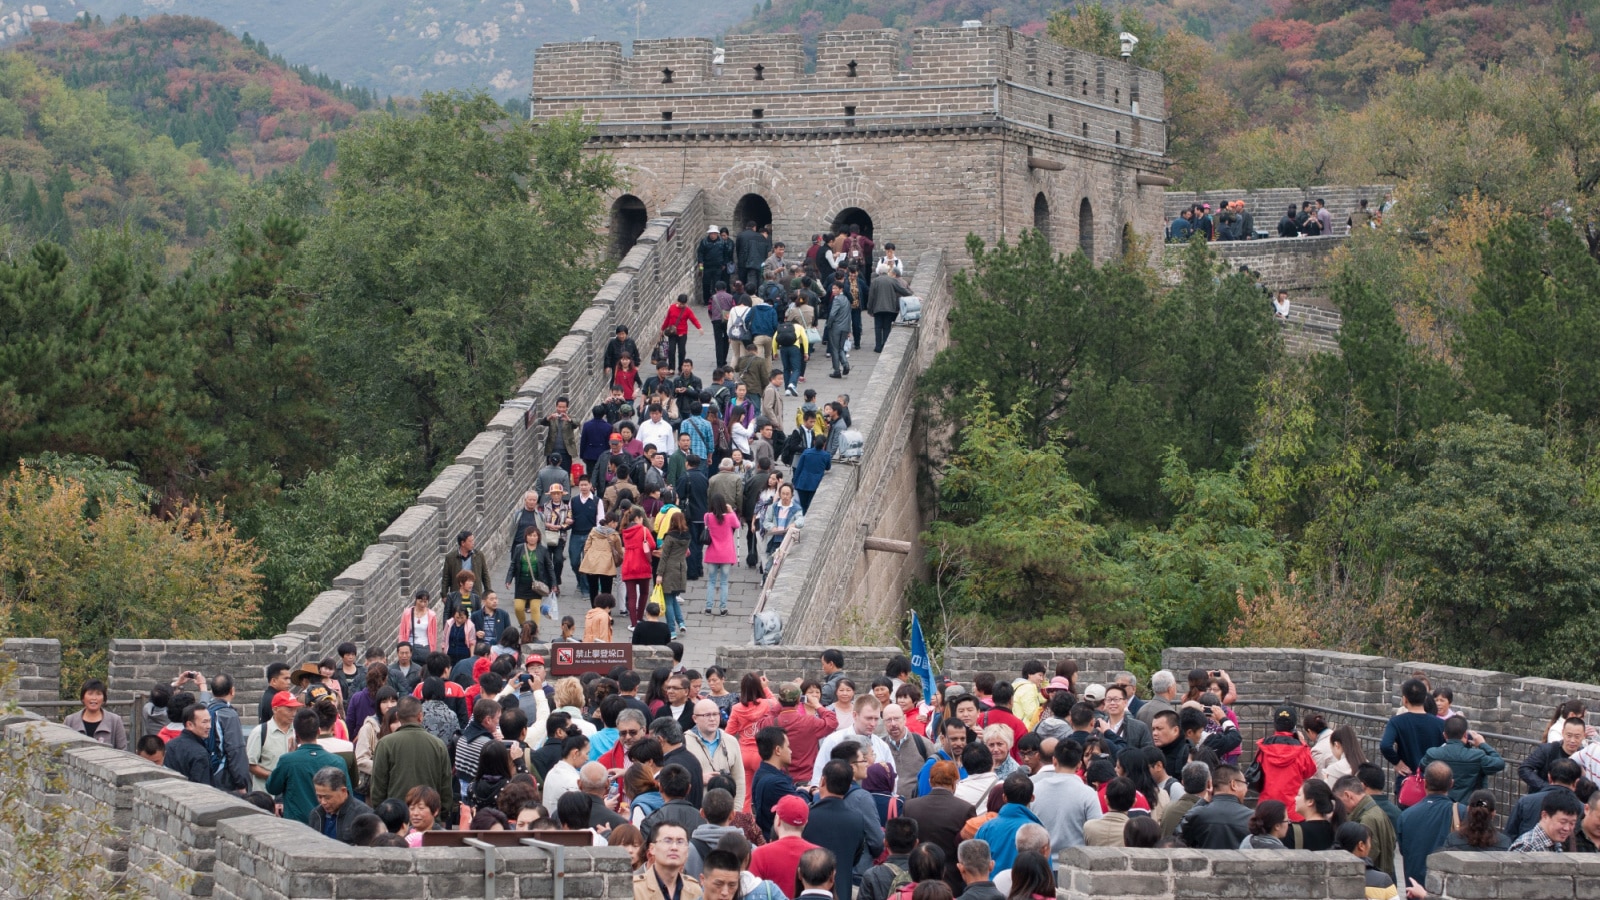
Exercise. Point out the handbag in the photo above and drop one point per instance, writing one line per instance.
(616, 551)
(1412, 790)
(548, 536)
(1254, 775)
(659, 597)
(813, 337)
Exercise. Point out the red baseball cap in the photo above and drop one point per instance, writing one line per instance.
(615, 436)
(284, 698)
(534, 659)
(791, 810)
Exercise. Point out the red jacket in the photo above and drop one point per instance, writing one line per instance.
(638, 545)
(679, 315)
(1285, 764)
(805, 736)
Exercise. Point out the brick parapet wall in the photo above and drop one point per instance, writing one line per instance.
(1297, 265)
(1118, 873)
(37, 676)
(480, 491)
(825, 563)
(174, 839)
(1495, 702)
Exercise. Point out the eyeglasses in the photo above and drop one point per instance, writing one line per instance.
(708, 715)
(672, 842)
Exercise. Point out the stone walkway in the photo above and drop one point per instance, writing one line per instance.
(707, 633)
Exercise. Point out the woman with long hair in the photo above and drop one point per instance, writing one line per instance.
(755, 710)
(1347, 755)
(1133, 765)
(655, 693)
(642, 793)
(1031, 878)
(1321, 817)
(672, 572)
(1319, 734)
(722, 553)
(373, 727)
(495, 771)
(638, 561)
(1571, 709)
(1477, 830)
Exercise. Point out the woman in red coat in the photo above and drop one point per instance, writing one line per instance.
(755, 710)
(1285, 762)
(638, 551)
(676, 329)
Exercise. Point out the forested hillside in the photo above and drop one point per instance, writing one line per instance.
(411, 46)
(192, 81)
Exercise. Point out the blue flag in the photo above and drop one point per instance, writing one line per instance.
(920, 663)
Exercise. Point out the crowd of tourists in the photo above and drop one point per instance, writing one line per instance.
(848, 782)
(1233, 221)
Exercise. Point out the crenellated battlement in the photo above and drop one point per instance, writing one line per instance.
(861, 79)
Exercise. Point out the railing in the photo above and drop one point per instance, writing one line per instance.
(1505, 785)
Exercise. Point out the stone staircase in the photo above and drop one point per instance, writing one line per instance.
(1310, 329)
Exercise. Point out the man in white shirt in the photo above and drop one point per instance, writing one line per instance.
(1062, 801)
(563, 776)
(656, 431)
(271, 739)
(867, 714)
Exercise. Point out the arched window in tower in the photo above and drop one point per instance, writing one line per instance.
(1041, 215)
(1086, 228)
(751, 208)
(628, 218)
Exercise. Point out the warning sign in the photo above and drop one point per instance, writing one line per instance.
(575, 659)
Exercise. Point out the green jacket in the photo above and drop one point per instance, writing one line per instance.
(291, 778)
(408, 757)
(1377, 821)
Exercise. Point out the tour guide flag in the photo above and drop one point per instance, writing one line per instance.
(920, 663)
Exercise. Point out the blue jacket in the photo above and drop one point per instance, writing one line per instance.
(1001, 834)
(1423, 829)
(923, 784)
(836, 826)
(809, 467)
(763, 319)
(1180, 229)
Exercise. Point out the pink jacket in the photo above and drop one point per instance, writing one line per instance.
(429, 634)
(723, 547)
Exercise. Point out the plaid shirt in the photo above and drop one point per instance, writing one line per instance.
(1534, 840)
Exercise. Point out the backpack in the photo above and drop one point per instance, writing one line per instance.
(795, 445)
(787, 336)
(738, 328)
(902, 878)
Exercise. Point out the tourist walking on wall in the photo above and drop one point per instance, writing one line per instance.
(809, 469)
(721, 526)
(676, 328)
(883, 301)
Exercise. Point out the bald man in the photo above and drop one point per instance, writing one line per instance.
(716, 750)
(592, 781)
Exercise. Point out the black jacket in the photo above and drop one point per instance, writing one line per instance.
(1525, 814)
(753, 249)
(1222, 824)
(1535, 769)
(693, 489)
(715, 256)
(615, 348)
(837, 827)
(344, 818)
(187, 755)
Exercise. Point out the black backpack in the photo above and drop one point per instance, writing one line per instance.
(786, 335)
(795, 445)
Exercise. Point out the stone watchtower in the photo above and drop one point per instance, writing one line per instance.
(983, 131)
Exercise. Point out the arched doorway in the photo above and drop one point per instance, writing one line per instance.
(628, 218)
(750, 208)
(853, 215)
(1086, 228)
(1041, 215)
(1128, 243)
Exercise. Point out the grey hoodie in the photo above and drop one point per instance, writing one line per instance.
(708, 835)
